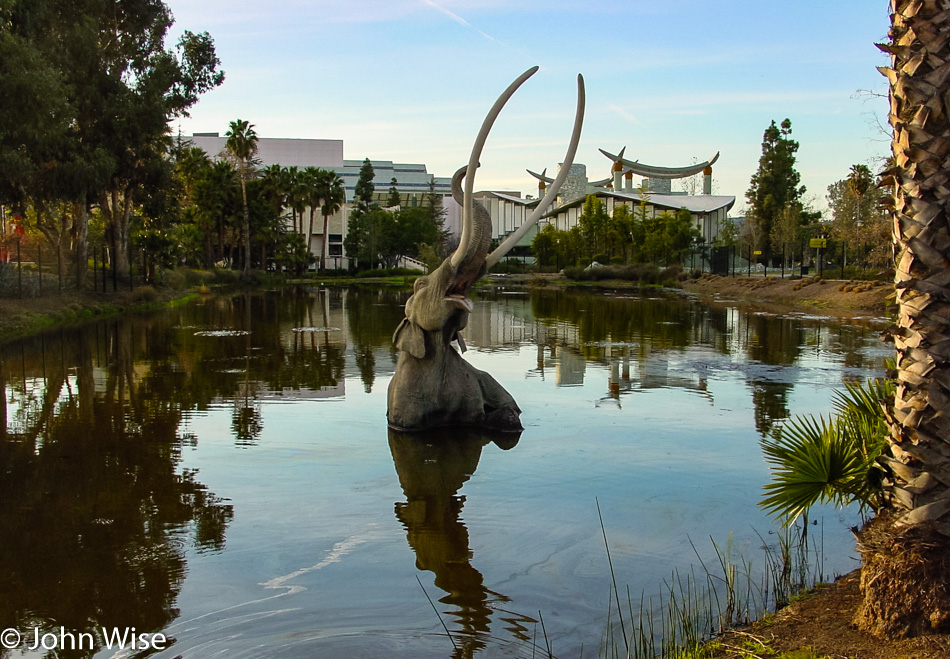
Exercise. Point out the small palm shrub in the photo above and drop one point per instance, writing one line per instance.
(829, 460)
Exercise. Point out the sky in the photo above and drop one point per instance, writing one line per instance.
(674, 81)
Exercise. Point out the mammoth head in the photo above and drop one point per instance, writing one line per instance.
(434, 306)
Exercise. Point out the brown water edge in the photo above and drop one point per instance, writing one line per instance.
(822, 621)
(825, 297)
(822, 296)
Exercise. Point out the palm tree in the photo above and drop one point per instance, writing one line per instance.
(289, 182)
(333, 195)
(298, 197)
(310, 184)
(274, 186)
(860, 181)
(905, 575)
(242, 144)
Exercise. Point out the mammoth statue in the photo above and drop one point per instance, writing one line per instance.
(433, 385)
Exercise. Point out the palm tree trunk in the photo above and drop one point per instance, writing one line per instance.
(247, 226)
(325, 250)
(905, 574)
(310, 233)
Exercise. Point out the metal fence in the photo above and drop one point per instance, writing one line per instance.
(29, 270)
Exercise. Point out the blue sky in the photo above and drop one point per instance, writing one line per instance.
(672, 80)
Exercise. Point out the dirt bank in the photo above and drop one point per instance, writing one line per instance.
(824, 295)
(822, 622)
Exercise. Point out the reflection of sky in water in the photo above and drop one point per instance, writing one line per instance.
(660, 428)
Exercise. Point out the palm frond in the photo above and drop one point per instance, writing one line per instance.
(828, 460)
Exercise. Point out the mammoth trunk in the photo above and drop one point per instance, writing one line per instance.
(469, 257)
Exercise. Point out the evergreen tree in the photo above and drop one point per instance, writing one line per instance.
(593, 225)
(364, 186)
(89, 88)
(395, 199)
(432, 203)
(776, 183)
(360, 231)
(544, 245)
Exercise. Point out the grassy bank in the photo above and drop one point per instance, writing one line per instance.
(23, 317)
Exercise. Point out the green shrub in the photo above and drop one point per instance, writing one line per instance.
(144, 294)
(509, 267)
(864, 274)
(673, 273)
(176, 280)
(224, 276)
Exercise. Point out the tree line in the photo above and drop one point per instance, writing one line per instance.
(230, 203)
(627, 236)
(88, 164)
(89, 89)
(779, 220)
(380, 236)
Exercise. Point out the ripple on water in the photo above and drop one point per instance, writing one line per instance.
(217, 333)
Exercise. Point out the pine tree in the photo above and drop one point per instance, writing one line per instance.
(776, 183)
(357, 231)
(364, 186)
(395, 199)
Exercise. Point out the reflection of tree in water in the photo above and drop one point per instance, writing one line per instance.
(666, 322)
(247, 425)
(432, 467)
(95, 512)
(373, 317)
(770, 403)
(772, 339)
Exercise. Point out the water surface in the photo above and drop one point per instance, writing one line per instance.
(222, 472)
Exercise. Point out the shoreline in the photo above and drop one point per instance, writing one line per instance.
(23, 317)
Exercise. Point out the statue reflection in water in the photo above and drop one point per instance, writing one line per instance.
(432, 466)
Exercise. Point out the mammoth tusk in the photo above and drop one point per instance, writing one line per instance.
(551, 194)
(466, 238)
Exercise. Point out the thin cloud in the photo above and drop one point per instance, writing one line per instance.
(455, 17)
(623, 113)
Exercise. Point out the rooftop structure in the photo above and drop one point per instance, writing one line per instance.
(658, 179)
(412, 180)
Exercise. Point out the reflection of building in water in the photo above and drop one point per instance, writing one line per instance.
(500, 324)
(569, 368)
(509, 321)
